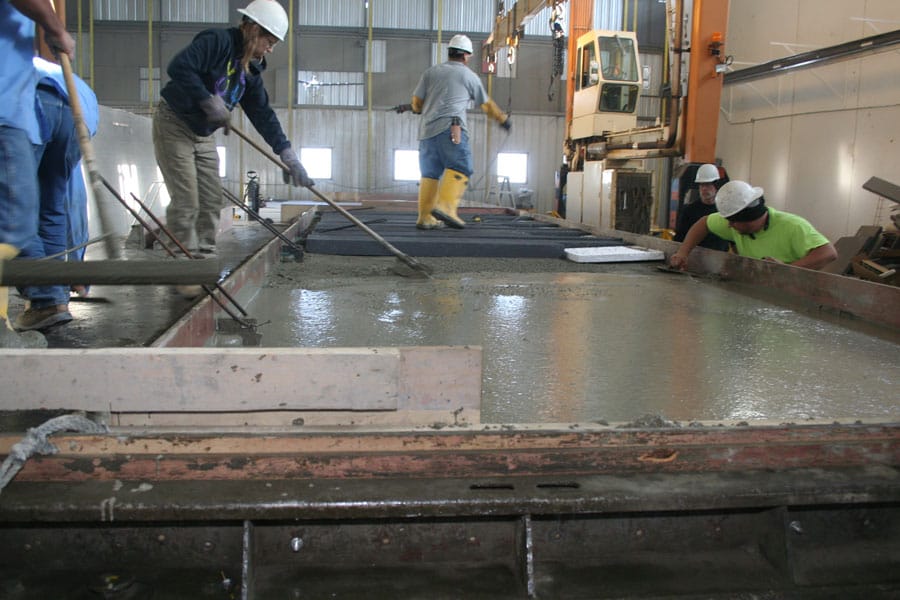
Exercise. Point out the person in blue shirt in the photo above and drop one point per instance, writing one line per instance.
(63, 200)
(218, 70)
(19, 127)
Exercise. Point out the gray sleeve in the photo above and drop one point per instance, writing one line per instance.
(420, 87)
(476, 89)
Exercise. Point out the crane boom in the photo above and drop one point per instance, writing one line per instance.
(509, 24)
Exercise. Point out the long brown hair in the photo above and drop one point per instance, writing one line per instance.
(251, 35)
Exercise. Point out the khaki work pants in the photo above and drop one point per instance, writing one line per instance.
(190, 167)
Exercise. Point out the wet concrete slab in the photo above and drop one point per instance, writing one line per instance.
(562, 341)
(570, 342)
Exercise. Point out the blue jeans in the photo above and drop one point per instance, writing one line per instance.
(56, 159)
(438, 153)
(78, 232)
(18, 188)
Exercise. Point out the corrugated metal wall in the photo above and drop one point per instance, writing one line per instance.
(176, 11)
(345, 132)
(464, 16)
(401, 14)
(472, 16)
(121, 10)
(332, 13)
(197, 11)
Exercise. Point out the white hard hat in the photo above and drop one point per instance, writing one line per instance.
(707, 173)
(460, 42)
(735, 196)
(269, 15)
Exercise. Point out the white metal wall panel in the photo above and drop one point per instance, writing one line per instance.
(402, 14)
(608, 14)
(466, 16)
(332, 13)
(379, 56)
(120, 10)
(346, 132)
(195, 11)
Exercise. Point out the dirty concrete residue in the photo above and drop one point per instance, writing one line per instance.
(568, 342)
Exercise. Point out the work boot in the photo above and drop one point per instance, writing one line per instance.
(427, 199)
(452, 187)
(7, 252)
(42, 318)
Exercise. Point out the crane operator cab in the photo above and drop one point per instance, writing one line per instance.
(607, 84)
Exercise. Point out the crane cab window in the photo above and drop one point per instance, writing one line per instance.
(615, 97)
(618, 59)
(588, 67)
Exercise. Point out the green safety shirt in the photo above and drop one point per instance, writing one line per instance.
(786, 237)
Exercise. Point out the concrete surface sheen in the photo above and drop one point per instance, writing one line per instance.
(578, 343)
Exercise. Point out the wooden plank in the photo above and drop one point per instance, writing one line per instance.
(847, 248)
(883, 188)
(201, 379)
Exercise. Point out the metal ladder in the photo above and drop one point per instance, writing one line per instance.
(503, 194)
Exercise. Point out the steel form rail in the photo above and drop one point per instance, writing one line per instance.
(503, 513)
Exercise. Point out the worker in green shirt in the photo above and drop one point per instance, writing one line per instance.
(758, 231)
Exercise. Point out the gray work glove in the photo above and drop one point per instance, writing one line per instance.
(507, 124)
(217, 113)
(296, 174)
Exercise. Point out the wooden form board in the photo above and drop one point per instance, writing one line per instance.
(195, 380)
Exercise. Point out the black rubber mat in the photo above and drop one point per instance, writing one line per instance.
(485, 235)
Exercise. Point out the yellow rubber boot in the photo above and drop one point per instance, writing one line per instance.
(452, 187)
(7, 252)
(428, 189)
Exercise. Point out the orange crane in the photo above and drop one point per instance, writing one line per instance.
(696, 40)
(604, 81)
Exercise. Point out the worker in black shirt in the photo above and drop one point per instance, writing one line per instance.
(706, 179)
(219, 69)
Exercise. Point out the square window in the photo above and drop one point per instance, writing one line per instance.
(513, 165)
(406, 165)
(317, 162)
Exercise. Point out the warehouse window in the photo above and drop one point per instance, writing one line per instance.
(513, 165)
(406, 165)
(317, 162)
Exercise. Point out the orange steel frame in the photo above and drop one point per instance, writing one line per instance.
(701, 112)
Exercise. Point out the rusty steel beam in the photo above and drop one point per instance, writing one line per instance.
(496, 454)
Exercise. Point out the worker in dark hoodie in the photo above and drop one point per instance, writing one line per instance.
(218, 70)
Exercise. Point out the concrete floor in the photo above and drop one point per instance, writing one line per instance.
(570, 342)
(134, 316)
